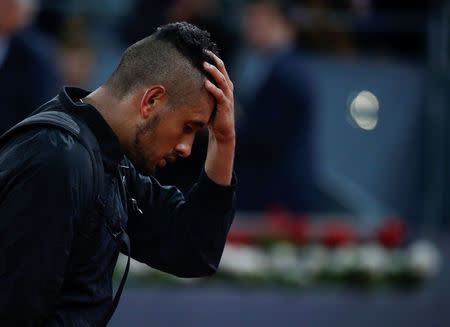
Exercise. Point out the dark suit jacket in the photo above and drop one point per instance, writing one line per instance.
(28, 77)
(274, 148)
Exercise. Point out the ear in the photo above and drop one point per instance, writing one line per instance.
(153, 98)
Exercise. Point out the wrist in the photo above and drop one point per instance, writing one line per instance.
(219, 159)
(223, 140)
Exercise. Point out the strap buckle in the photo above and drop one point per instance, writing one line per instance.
(135, 206)
(116, 231)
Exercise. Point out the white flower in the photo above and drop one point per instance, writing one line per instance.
(424, 258)
(284, 258)
(343, 259)
(244, 260)
(314, 259)
(373, 258)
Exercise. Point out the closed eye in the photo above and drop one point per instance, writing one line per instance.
(187, 129)
(193, 126)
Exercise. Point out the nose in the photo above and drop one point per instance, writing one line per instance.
(184, 149)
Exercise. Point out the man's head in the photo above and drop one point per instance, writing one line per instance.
(15, 14)
(162, 79)
(267, 24)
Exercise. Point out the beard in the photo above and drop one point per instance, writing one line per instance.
(145, 162)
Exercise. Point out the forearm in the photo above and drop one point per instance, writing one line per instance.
(222, 135)
(184, 234)
(178, 235)
(219, 160)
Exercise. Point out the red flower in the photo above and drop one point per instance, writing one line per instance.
(391, 232)
(338, 233)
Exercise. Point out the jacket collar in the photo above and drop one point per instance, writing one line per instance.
(107, 139)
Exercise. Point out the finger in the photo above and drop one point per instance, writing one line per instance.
(218, 77)
(217, 93)
(221, 66)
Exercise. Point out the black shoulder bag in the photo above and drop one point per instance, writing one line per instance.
(66, 123)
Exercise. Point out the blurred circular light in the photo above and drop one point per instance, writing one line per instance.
(364, 110)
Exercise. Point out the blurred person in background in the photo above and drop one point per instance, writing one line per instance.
(274, 156)
(75, 53)
(321, 29)
(28, 75)
(143, 18)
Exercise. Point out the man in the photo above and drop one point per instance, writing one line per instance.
(276, 94)
(23, 58)
(57, 258)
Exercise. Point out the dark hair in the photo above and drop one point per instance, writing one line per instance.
(159, 58)
(190, 40)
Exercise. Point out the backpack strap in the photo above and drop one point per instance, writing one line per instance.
(54, 119)
(78, 130)
(66, 123)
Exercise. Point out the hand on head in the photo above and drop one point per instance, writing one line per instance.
(222, 124)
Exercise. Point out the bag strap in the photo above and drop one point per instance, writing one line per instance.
(56, 119)
(125, 241)
(66, 123)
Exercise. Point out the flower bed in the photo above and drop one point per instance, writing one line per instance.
(282, 249)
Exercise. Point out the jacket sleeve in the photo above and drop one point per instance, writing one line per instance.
(181, 235)
(41, 177)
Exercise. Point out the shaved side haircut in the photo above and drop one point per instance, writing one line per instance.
(172, 56)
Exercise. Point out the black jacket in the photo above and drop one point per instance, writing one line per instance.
(57, 259)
